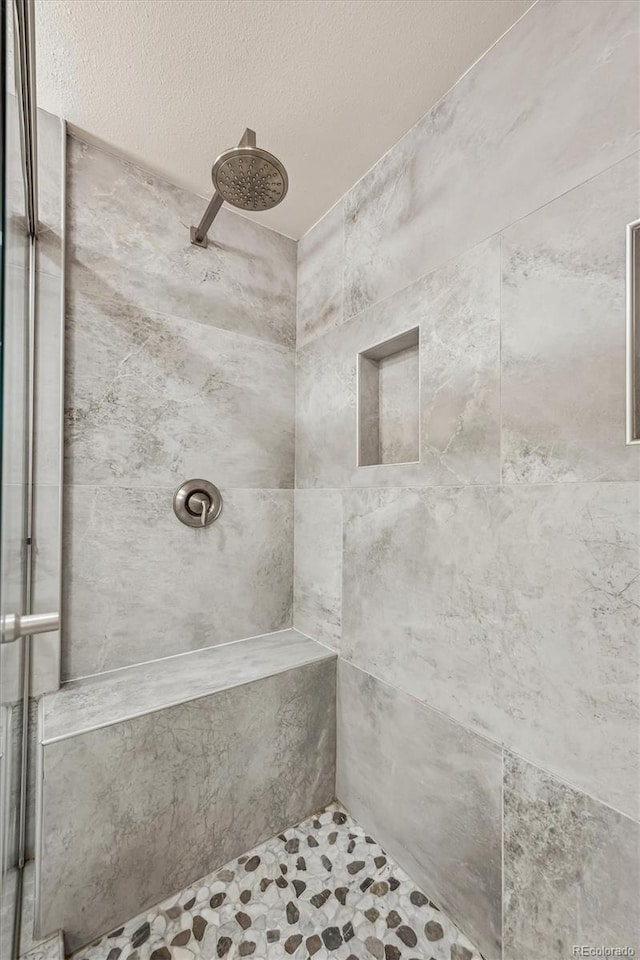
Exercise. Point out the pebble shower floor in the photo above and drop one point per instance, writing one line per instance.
(321, 890)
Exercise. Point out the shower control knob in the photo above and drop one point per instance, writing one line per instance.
(197, 503)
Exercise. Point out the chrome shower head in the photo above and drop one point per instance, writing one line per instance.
(250, 178)
(247, 177)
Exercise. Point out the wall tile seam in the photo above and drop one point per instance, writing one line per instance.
(466, 250)
(76, 297)
(502, 746)
(510, 485)
(294, 578)
(322, 643)
(295, 407)
(296, 286)
(390, 296)
(183, 653)
(502, 832)
(311, 339)
(500, 368)
(160, 488)
(330, 209)
(400, 850)
(434, 896)
(440, 99)
(503, 229)
(72, 134)
(342, 539)
(331, 656)
(413, 125)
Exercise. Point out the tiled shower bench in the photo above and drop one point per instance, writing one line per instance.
(153, 775)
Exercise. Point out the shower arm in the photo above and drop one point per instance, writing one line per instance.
(199, 233)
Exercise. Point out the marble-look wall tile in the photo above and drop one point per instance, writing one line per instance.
(431, 792)
(180, 363)
(457, 310)
(571, 869)
(129, 241)
(399, 406)
(552, 103)
(320, 276)
(48, 458)
(153, 400)
(318, 565)
(163, 799)
(141, 585)
(514, 610)
(50, 949)
(563, 335)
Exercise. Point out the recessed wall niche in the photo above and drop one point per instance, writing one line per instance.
(389, 401)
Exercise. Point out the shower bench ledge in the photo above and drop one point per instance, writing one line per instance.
(156, 774)
(112, 697)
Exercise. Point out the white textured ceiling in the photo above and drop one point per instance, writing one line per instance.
(329, 85)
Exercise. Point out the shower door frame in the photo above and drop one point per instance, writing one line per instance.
(22, 13)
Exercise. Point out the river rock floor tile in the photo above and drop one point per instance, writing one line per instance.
(322, 890)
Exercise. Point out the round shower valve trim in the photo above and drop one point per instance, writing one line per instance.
(197, 503)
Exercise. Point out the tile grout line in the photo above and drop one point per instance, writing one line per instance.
(496, 744)
(500, 395)
(267, 675)
(112, 152)
(182, 653)
(443, 97)
(507, 485)
(466, 250)
(502, 855)
(76, 297)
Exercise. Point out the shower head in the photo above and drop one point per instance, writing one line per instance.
(247, 177)
(250, 178)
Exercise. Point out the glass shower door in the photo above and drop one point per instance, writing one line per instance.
(15, 360)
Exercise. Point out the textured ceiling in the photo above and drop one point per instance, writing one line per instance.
(329, 85)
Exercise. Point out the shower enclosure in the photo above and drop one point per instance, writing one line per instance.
(386, 704)
(30, 445)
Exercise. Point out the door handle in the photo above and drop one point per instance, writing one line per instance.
(14, 626)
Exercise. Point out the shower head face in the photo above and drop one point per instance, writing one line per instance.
(250, 178)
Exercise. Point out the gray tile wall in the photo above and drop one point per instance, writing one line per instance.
(49, 453)
(571, 868)
(551, 104)
(429, 790)
(180, 364)
(489, 593)
(228, 771)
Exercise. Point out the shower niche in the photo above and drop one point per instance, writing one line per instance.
(389, 401)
